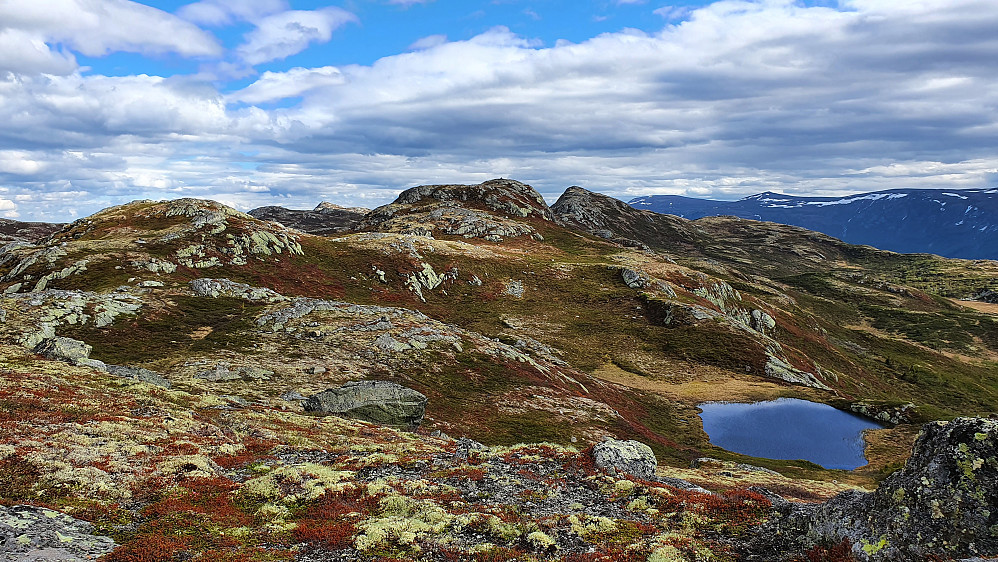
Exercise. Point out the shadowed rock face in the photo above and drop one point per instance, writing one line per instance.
(943, 503)
(379, 402)
(615, 220)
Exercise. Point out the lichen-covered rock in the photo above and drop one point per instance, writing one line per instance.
(633, 279)
(778, 368)
(70, 351)
(629, 457)
(30, 533)
(139, 374)
(215, 288)
(380, 402)
(942, 504)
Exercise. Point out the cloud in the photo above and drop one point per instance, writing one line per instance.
(737, 98)
(281, 35)
(672, 12)
(98, 28)
(23, 52)
(225, 12)
(275, 86)
(428, 42)
(407, 3)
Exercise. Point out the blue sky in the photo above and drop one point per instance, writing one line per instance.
(260, 102)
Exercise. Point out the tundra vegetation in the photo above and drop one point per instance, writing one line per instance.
(156, 357)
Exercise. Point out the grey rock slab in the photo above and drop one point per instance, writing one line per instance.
(380, 402)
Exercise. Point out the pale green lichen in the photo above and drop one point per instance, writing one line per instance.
(666, 553)
(589, 527)
(872, 548)
(541, 541)
(401, 521)
(291, 484)
(980, 436)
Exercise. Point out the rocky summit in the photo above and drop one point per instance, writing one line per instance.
(468, 374)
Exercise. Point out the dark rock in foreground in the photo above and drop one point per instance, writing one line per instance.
(380, 402)
(943, 503)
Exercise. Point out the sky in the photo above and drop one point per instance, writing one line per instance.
(294, 102)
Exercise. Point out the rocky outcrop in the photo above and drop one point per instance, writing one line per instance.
(30, 533)
(139, 374)
(986, 295)
(326, 219)
(215, 288)
(942, 505)
(69, 350)
(17, 231)
(627, 457)
(380, 402)
(618, 222)
(493, 211)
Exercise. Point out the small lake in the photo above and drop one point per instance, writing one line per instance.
(790, 429)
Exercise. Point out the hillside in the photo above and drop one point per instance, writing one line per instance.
(159, 356)
(956, 223)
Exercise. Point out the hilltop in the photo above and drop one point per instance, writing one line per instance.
(166, 362)
(951, 223)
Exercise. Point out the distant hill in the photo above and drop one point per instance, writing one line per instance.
(953, 223)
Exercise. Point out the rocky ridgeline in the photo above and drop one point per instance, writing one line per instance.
(493, 211)
(617, 221)
(325, 220)
(942, 505)
(155, 237)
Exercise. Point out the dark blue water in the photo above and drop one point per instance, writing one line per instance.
(788, 429)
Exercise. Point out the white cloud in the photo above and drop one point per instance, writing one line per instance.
(22, 52)
(95, 28)
(274, 86)
(281, 35)
(224, 12)
(427, 42)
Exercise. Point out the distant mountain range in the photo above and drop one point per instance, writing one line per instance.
(950, 223)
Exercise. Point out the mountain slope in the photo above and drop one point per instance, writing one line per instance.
(955, 223)
(157, 355)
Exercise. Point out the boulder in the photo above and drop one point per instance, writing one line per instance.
(942, 505)
(69, 350)
(628, 457)
(380, 402)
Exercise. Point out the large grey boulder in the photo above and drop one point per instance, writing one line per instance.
(942, 505)
(70, 351)
(628, 457)
(380, 402)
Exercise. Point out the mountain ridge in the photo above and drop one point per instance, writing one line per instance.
(949, 223)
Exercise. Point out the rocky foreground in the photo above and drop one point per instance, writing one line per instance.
(182, 381)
